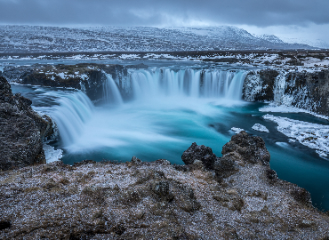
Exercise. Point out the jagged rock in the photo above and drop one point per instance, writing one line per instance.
(202, 153)
(251, 148)
(22, 130)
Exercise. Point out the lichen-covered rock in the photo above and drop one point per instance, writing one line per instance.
(22, 130)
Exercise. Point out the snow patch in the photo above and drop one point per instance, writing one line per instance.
(62, 75)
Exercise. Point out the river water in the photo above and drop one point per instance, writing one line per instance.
(171, 105)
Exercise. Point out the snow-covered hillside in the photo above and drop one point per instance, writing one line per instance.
(24, 39)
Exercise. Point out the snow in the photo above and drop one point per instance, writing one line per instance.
(272, 107)
(311, 62)
(237, 130)
(62, 75)
(51, 154)
(84, 76)
(133, 39)
(322, 154)
(260, 128)
(129, 56)
(315, 136)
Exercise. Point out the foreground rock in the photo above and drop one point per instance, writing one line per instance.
(21, 130)
(242, 198)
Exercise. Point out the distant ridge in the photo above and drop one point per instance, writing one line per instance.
(38, 39)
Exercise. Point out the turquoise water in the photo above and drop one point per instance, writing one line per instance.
(163, 127)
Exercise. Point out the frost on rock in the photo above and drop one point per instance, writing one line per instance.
(315, 136)
(260, 128)
(252, 87)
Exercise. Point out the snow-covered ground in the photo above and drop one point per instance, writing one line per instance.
(19, 39)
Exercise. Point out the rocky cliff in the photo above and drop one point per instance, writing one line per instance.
(21, 130)
(307, 90)
(236, 196)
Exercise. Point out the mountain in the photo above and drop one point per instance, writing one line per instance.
(36, 39)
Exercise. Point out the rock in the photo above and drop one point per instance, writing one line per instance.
(259, 86)
(226, 165)
(154, 200)
(202, 153)
(306, 90)
(22, 130)
(185, 199)
(251, 148)
(162, 190)
(301, 195)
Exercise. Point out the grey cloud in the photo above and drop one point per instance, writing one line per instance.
(146, 12)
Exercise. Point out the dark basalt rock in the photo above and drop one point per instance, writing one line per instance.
(251, 148)
(22, 130)
(202, 153)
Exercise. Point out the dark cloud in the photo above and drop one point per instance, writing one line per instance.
(177, 12)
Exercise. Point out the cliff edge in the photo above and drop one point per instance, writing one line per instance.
(21, 130)
(236, 196)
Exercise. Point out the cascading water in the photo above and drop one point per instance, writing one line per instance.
(71, 116)
(111, 93)
(161, 101)
(147, 84)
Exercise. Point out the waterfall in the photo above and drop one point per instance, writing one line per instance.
(111, 93)
(149, 84)
(71, 115)
(75, 115)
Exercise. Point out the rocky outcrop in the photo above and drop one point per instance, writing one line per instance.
(260, 86)
(309, 90)
(306, 90)
(89, 78)
(157, 200)
(22, 130)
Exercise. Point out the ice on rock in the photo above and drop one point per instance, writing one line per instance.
(237, 130)
(51, 154)
(322, 154)
(315, 136)
(260, 128)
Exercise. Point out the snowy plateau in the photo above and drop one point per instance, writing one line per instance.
(36, 39)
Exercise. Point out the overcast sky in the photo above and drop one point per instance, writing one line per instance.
(292, 20)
